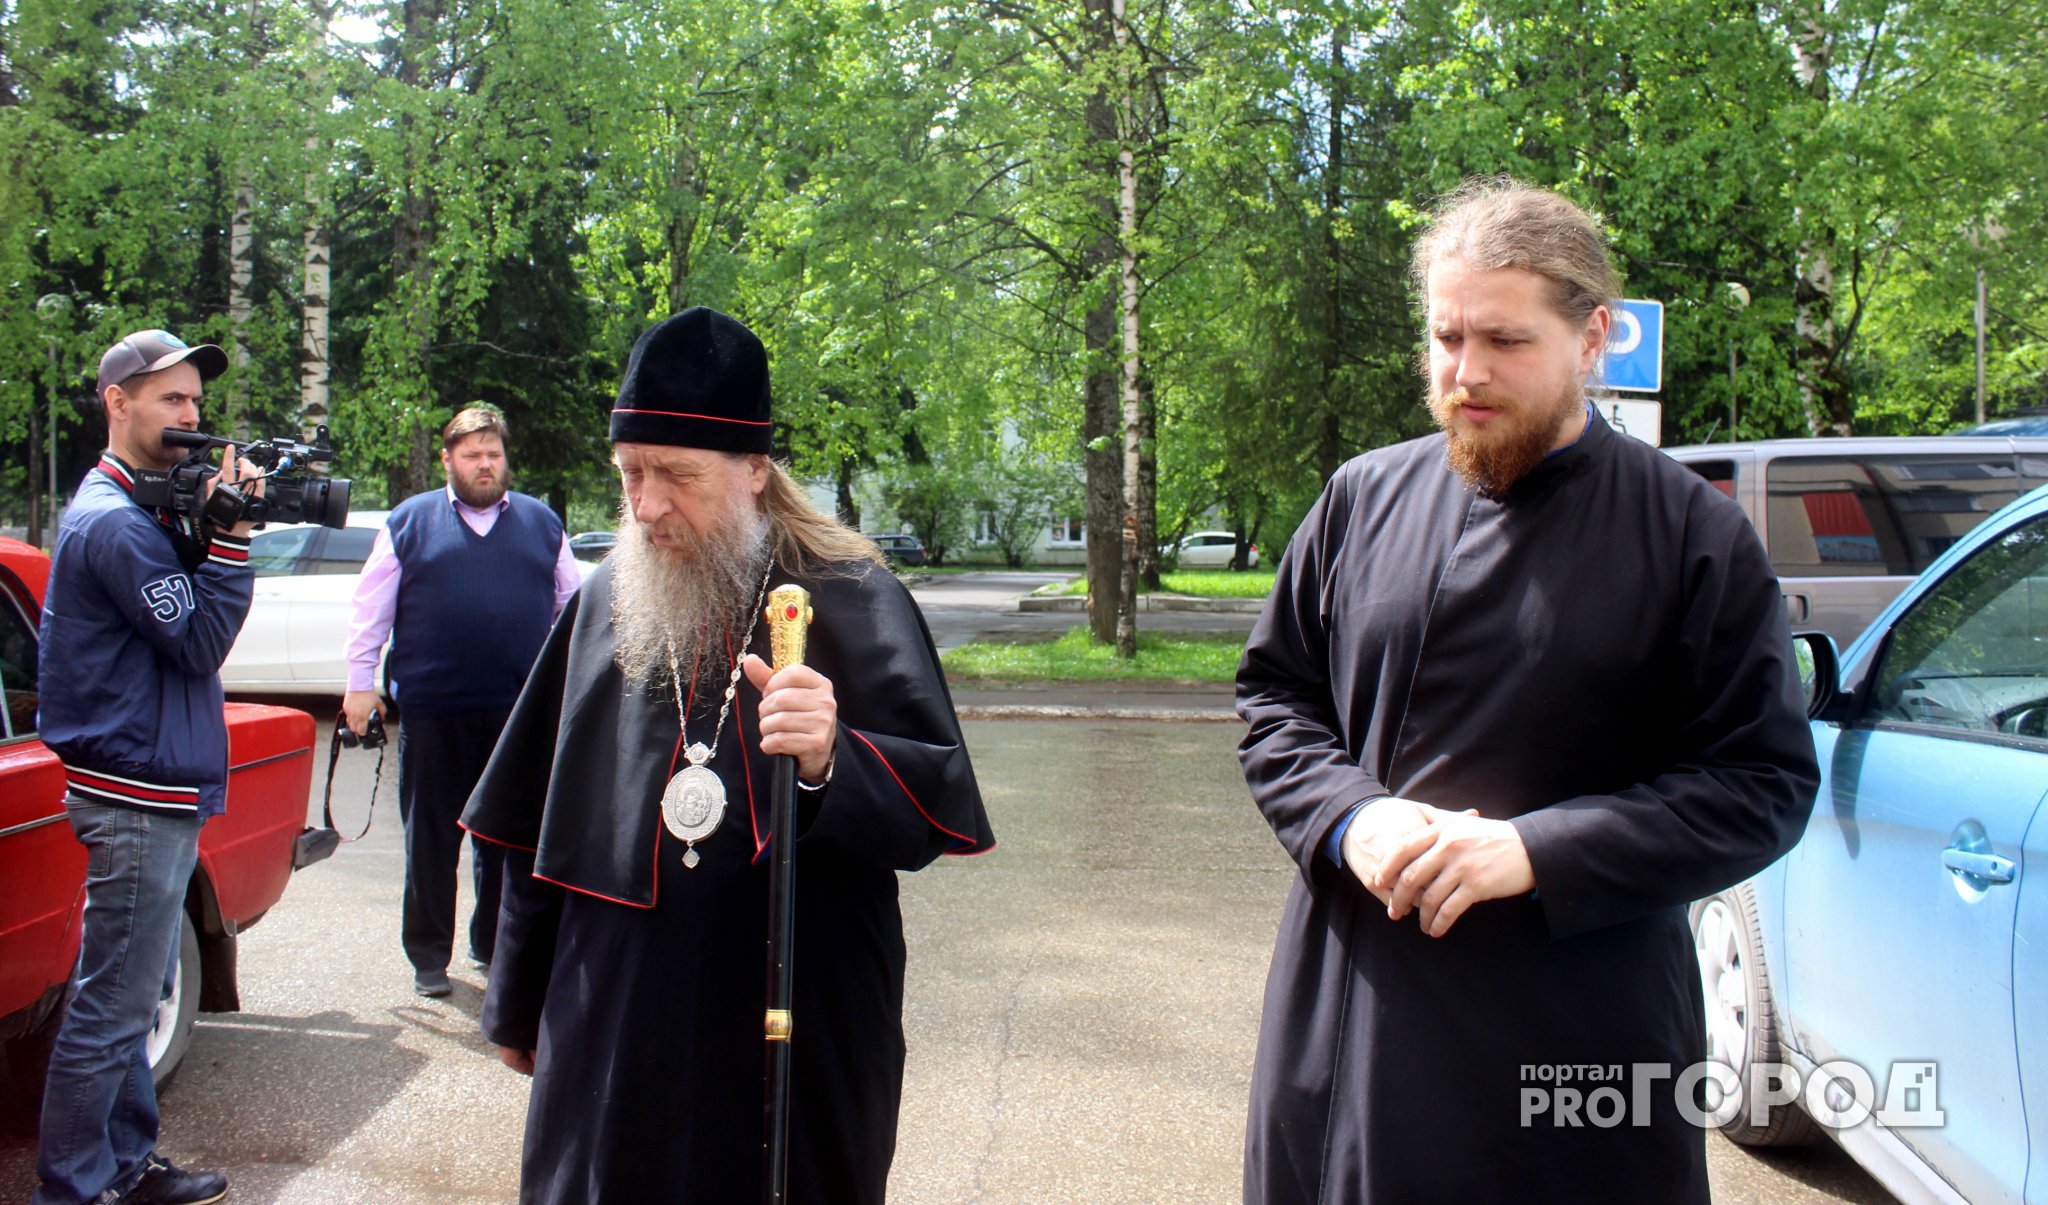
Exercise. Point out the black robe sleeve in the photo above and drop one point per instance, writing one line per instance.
(1294, 753)
(529, 915)
(902, 790)
(1738, 799)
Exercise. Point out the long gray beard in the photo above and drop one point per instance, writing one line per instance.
(690, 603)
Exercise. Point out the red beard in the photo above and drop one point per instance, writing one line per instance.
(1492, 456)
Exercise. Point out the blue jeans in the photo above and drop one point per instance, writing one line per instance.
(99, 1104)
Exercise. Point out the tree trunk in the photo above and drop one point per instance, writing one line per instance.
(849, 510)
(1817, 356)
(241, 271)
(412, 262)
(314, 278)
(211, 287)
(1100, 421)
(1330, 439)
(682, 228)
(1148, 489)
(1830, 407)
(36, 489)
(1104, 462)
(1127, 265)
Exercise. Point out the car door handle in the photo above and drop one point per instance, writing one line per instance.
(1989, 867)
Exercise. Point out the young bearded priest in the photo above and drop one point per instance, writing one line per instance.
(631, 960)
(1523, 690)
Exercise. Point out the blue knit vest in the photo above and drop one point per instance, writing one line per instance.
(473, 610)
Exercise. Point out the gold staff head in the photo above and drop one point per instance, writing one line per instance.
(789, 616)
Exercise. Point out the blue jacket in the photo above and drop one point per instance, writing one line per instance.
(132, 644)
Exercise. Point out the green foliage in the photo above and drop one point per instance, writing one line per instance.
(1204, 583)
(1076, 657)
(937, 505)
(912, 203)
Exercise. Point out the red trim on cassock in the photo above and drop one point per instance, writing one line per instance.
(493, 840)
(747, 768)
(598, 895)
(711, 418)
(969, 841)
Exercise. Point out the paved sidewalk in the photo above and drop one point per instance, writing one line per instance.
(1097, 700)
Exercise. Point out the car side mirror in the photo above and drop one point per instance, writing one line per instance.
(1820, 674)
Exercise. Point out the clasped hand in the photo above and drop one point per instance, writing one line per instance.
(799, 716)
(1414, 857)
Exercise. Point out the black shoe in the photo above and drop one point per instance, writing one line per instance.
(163, 1184)
(481, 961)
(431, 983)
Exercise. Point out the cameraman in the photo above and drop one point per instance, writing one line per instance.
(466, 581)
(141, 610)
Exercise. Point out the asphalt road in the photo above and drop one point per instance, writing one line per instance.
(1082, 1008)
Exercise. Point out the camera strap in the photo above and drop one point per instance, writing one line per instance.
(327, 802)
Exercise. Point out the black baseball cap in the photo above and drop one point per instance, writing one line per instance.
(152, 350)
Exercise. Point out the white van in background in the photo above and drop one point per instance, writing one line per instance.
(1849, 522)
(295, 640)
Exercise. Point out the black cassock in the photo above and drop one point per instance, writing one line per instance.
(1601, 657)
(642, 982)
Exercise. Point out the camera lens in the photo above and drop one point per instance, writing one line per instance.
(327, 501)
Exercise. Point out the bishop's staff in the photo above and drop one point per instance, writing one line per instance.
(789, 615)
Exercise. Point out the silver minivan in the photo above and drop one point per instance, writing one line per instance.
(1848, 522)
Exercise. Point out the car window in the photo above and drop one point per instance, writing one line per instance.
(1720, 473)
(1868, 516)
(1972, 653)
(277, 553)
(345, 550)
(17, 667)
(2033, 470)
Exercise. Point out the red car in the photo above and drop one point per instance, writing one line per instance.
(245, 856)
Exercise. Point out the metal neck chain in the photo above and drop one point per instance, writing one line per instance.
(732, 682)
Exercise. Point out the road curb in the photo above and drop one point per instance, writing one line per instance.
(1206, 715)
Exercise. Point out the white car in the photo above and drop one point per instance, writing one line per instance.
(1213, 550)
(295, 640)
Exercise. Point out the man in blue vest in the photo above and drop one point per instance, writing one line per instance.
(466, 581)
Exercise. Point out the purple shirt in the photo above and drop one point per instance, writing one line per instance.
(375, 602)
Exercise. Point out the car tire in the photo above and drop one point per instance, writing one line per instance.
(28, 1059)
(172, 1032)
(1742, 1016)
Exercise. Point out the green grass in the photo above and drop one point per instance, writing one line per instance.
(1074, 657)
(1206, 583)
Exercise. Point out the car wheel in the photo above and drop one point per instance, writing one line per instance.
(1742, 1017)
(28, 1059)
(172, 1032)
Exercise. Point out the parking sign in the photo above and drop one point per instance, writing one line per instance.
(1635, 348)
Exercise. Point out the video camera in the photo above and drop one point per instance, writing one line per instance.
(291, 495)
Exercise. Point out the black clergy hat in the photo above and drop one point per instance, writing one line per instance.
(697, 379)
(153, 351)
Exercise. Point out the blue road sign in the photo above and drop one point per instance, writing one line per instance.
(1635, 348)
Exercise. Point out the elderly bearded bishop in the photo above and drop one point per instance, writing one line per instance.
(632, 958)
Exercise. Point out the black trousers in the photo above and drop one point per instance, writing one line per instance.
(439, 760)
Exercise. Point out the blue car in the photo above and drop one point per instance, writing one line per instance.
(1907, 932)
